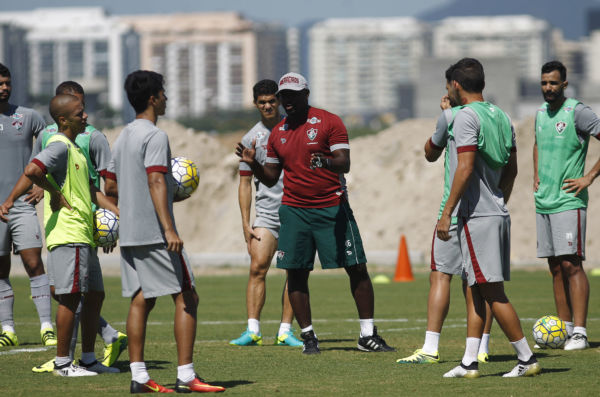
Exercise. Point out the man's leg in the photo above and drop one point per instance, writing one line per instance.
(285, 335)
(577, 289)
(484, 347)
(139, 309)
(7, 299)
(297, 281)
(560, 288)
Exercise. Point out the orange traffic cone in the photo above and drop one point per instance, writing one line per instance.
(403, 268)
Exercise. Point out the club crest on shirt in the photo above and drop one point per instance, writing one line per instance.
(260, 135)
(313, 120)
(18, 124)
(283, 127)
(560, 126)
(568, 109)
(283, 141)
(312, 133)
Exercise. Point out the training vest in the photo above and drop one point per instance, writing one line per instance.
(561, 155)
(447, 181)
(495, 134)
(70, 226)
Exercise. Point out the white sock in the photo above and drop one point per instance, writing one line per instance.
(7, 299)
(484, 345)
(309, 328)
(107, 332)
(186, 373)
(139, 372)
(366, 327)
(284, 328)
(524, 353)
(40, 294)
(432, 341)
(88, 357)
(569, 326)
(62, 361)
(579, 330)
(254, 326)
(471, 349)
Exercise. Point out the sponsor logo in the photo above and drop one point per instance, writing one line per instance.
(283, 141)
(313, 120)
(312, 133)
(1, 128)
(284, 127)
(348, 244)
(289, 79)
(76, 166)
(560, 126)
(280, 255)
(17, 116)
(348, 253)
(568, 109)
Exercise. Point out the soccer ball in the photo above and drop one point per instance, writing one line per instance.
(106, 228)
(186, 177)
(550, 331)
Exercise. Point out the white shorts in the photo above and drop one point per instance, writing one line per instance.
(445, 255)
(74, 268)
(485, 247)
(561, 233)
(21, 232)
(268, 224)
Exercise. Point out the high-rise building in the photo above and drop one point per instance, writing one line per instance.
(81, 44)
(360, 65)
(13, 55)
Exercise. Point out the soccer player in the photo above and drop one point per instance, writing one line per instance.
(311, 145)
(483, 144)
(61, 170)
(18, 127)
(261, 237)
(446, 259)
(96, 150)
(153, 262)
(563, 127)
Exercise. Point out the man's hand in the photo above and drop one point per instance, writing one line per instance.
(57, 201)
(445, 103)
(443, 227)
(35, 195)
(318, 160)
(174, 243)
(249, 235)
(536, 183)
(245, 154)
(577, 185)
(7, 205)
(109, 248)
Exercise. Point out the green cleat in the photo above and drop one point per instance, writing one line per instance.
(48, 337)
(420, 357)
(247, 339)
(48, 366)
(288, 339)
(113, 350)
(483, 358)
(8, 338)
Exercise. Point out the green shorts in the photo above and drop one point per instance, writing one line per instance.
(331, 231)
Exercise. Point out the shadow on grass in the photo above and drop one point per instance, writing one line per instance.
(594, 344)
(335, 340)
(498, 358)
(544, 371)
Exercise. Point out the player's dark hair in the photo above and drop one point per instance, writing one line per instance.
(69, 87)
(140, 86)
(449, 73)
(264, 87)
(4, 72)
(555, 65)
(468, 72)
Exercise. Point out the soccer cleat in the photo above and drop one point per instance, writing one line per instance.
(8, 338)
(48, 366)
(73, 370)
(420, 357)
(113, 350)
(310, 343)
(373, 343)
(577, 342)
(148, 387)
(522, 369)
(99, 368)
(197, 385)
(462, 372)
(288, 339)
(247, 339)
(483, 358)
(48, 337)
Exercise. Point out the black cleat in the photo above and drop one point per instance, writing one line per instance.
(311, 344)
(373, 343)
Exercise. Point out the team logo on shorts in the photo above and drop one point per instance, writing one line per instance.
(312, 133)
(560, 127)
(280, 255)
(349, 253)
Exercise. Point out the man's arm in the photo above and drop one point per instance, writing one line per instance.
(267, 174)
(432, 152)
(111, 189)
(509, 174)
(245, 201)
(158, 192)
(536, 176)
(102, 201)
(464, 169)
(577, 185)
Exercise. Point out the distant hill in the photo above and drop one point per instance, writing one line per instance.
(568, 15)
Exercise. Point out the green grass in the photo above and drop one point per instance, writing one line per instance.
(340, 370)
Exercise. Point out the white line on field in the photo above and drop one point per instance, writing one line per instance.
(32, 350)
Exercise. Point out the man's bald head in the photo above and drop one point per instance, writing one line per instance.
(62, 105)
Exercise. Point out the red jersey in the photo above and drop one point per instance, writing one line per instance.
(304, 187)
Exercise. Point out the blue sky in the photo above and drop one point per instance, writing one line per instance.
(291, 13)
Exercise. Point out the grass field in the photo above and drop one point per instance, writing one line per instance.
(340, 370)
